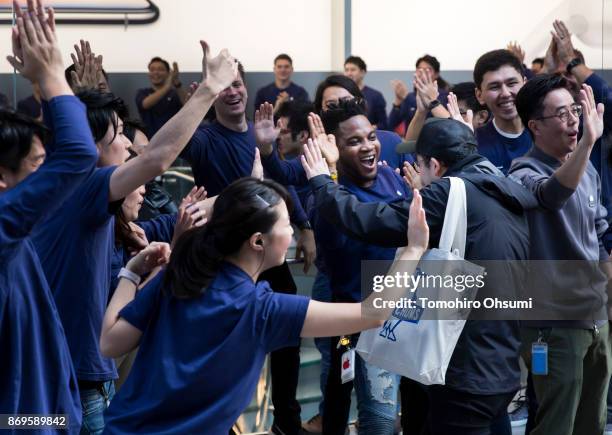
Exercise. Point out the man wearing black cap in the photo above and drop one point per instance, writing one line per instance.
(483, 374)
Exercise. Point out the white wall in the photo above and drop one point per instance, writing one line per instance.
(392, 34)
(254, 31)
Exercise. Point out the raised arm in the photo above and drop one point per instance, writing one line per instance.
(331, 319)
(37, 57)
(165, 146)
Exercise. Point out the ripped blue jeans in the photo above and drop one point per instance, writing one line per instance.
(376, 391)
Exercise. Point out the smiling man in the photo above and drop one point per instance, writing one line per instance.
(163, 99)
(498, 77)
(360, 173)
(569, 224)
(282, 89)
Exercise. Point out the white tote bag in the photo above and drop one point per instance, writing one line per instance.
(422, 349)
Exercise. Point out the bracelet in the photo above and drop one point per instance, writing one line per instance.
(334, 176)
(572, 64)
(129, 275)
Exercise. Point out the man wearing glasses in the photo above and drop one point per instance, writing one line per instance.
(568, 352)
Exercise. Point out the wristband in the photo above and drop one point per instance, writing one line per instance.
(334, 176)
(129, 275)
(304, 226)
(573, 63)
(433, 104)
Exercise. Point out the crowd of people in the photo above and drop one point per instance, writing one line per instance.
(130, 311)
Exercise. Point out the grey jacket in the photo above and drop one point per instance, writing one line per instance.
(565, 231)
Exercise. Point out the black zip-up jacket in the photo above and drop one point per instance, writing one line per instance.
(486, 358)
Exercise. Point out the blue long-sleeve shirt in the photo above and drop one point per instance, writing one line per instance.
(36, 371)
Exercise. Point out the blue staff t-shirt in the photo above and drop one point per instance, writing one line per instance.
(36, 373)
(155, 117)
(341, 254)
(200, 359)
(377, 107)
(500, 147)
(270, 92)
(75, 247)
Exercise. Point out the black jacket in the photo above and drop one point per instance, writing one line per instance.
(485, 360)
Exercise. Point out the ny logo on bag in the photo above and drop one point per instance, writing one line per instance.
(388, 329)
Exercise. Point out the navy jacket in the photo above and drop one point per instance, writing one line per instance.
(486, 358)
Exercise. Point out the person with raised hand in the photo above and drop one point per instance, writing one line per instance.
(211, 284)
(75, 244)
(36, 371)
(86, 71)
(220, 153)
(571, 395)
(342, 256)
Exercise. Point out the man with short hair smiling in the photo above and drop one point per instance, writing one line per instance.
(282, 89)
(163, 99)
(571, 392)
(220, 153)
(356, 68)
(359, 172)
(498, 76)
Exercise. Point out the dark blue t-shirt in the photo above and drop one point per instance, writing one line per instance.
(155, 117)
(377, 107)
(220, 156)
(270, 92)
(341, 254)
(200, 359)
(75, 246)
(502, 149)
(36, 373)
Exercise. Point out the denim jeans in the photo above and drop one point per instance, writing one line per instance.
(321, 291)
(94, 403)
(376, 396)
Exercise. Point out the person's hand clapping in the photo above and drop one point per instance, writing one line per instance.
(155, 255)
(455, 112)
(36, 53)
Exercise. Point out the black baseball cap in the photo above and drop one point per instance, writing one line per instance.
(441, 138)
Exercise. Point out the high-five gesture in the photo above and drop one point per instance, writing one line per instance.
(87, 72)
(219, 72)
(36, 53)
(265, 130)
(563, 42)
(312, 160)
(592, 117)
(327, 142)
(418, 230)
